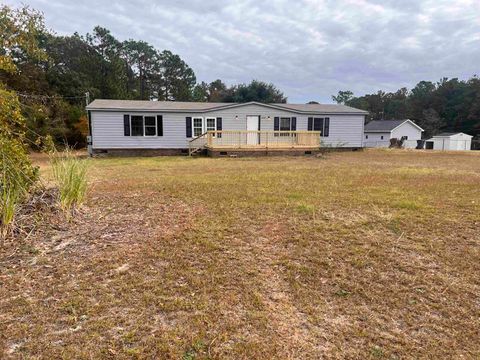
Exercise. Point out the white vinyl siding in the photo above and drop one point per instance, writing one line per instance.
(411, 131)
(376, 139)
(108, 131)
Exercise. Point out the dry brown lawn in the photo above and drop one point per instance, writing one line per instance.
(372, 254)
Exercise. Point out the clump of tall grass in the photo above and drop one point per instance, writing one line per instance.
(10, 197)
(17, 177)
(70, 174)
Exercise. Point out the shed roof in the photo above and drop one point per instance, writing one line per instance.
(386, 125)
(182, 106)
(449, 134)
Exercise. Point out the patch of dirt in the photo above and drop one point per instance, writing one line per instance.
(115, 222)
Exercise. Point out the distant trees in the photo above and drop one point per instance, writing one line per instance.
(53, 86)
(431, 122)
(343, 97)
(256, 90)
(175, 80)
(448, 105)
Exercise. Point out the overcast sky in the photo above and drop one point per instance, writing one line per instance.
(310, 49)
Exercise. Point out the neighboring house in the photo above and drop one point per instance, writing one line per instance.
(449, 141)
(378, 133)
(166, 127)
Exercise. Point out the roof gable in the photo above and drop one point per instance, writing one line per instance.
(387, 125)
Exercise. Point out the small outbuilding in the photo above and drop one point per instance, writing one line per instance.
(378, 133)
(449, 141)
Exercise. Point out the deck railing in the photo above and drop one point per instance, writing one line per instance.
(262, 139)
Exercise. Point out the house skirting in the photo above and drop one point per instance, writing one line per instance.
(138, 152)
(261, 152)
(217, 152)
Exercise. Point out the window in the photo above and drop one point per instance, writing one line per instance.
(210, 124)
(285, 124)
(197, 126)
(150, 126)
(318, 125)
(366, 136)
(137, 125)
(202, 125)
(381, 137)
(322, 125)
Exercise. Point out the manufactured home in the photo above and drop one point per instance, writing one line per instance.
(379, 132)
(133, 127)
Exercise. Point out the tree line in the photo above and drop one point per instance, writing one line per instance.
(450, 105)
(52, 88)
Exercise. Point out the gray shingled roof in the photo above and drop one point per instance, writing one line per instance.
(382, 125)
(447, 134)
(322, 108)
(179, 106)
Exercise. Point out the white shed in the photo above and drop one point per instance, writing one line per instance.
(378, 133)
(449, 141)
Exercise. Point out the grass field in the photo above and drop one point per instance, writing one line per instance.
(372, 254)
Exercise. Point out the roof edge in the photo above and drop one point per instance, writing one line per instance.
(411, 122)
(233, 105)
(446, 136)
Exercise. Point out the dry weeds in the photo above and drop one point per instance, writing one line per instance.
(358, 255)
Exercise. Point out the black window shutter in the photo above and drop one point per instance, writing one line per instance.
(310, 123)
(293, 126)
(326, 130)
(219, 126)
(159, 125)
(188, 123)
(126, 125)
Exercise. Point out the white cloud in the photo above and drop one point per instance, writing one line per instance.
(310, 48)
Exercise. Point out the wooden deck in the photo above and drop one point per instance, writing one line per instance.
(243, 140)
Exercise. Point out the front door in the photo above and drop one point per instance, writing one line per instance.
(252, 125)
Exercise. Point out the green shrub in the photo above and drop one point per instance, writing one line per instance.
(70, 173)
(21, 30)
